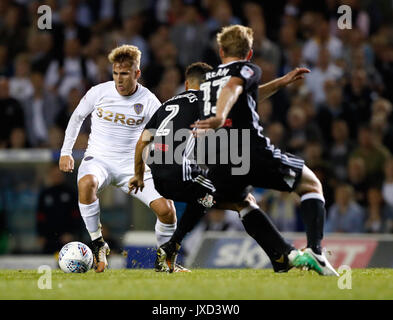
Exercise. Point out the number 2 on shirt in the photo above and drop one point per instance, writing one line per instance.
(174, 109)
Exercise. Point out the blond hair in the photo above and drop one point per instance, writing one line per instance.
(235, 41)
(125, 53)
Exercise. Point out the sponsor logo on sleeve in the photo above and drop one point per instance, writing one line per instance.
(246, 72)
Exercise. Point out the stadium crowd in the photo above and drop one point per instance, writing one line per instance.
(339, 119)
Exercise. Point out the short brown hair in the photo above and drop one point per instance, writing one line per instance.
(196, 71)
(125, 53)
(235, 41)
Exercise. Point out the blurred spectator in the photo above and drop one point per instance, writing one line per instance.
(387, 187)
(132, 8)
(20, 84)
(165, 57)
(292, 59)
(131, 34)
(41, 109)
(384, 106)
(322, 39)
(276, 133)
(221, 15)
(5, 65)
(382, 131)
(63, 117)
(58, 218)
(98, 68)
(377, 212)
(360, 55)
(11, 113)
(382, 45)
(357, 178)
(340, 149)
(358, 95)
(264, 109)
(324, 70)
(263, 47)
(55, 138)
(313, 155)
(12, 31)
(299, 131)
(334, 108)
(67, 72)
(68, 29)
(282, 209)
(18, 139)
(289, 42)
(373, 154)
(357, 53)
(169, 11)
(186, 33)
(345, 215)
(211, 54)
(382, 118)
(40, 47)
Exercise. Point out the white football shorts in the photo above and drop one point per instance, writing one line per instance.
(117, 172)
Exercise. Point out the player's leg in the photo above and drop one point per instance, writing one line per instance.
(259, 226)
(167, 253)
(166, 219)
(91, 177)
(288, 173)
(313, 212)
(163, 208)
(197, 196)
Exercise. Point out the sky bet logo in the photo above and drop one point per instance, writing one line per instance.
(238, 253)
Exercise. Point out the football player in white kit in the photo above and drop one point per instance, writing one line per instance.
(119, 111)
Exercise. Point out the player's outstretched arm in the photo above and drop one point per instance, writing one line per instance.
(228, 97)
(268, 89)
(136, 182)
(84, 108)
(66, 163)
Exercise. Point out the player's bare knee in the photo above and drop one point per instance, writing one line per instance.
(87, 188)
(164, 210)
(310, 184)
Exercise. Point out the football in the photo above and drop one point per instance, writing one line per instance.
(75, 257)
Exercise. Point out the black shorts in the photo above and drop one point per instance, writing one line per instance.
(269, 168)
(184, 191)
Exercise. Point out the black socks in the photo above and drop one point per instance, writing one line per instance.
(190, 218)
(313, 213)
(259, 226)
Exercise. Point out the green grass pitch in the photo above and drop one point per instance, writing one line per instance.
(201, 284)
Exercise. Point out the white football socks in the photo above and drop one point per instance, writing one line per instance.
(91, 216)
(164, 232)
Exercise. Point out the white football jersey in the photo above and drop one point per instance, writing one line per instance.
(116, 121)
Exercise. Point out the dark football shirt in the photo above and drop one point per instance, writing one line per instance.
(172, 152)
(243, 114)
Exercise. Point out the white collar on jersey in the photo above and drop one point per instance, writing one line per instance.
(227, 64)
(137, 90)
